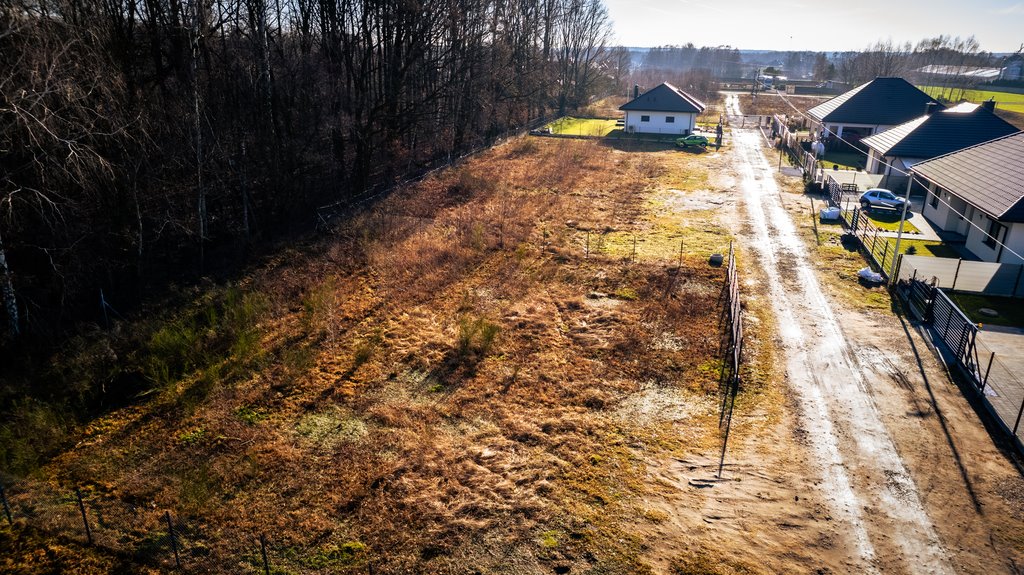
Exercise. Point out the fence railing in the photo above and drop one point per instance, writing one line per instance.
(1005, 280)
(330, 212)
(996, 385)
(147, 535)
(878, 247)
(732, 350)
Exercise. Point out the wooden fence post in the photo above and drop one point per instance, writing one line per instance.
(263, 551)
(170, 535)
(7, 508)
(85, 519)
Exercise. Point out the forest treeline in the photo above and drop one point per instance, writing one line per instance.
(146, 141)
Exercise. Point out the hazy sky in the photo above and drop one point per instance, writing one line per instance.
(822, 26)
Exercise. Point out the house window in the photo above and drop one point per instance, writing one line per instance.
(670, 119)
(934, 200)
(645, 118)
(996, 233)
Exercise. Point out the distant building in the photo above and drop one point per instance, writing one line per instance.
(663, 109)
(895, 150)
(1013, 68)
(973, 74)
(869, 109)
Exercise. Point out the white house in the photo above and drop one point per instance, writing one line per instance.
(982, 185)
(663, 109)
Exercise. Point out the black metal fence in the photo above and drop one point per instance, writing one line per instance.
(878, 247)
(326, 215)
(732, 350)
(997, 385)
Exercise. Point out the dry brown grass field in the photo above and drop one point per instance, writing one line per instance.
(770, 103)
(487, 372)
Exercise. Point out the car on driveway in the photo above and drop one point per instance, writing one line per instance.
(692, 140)
(881, 198)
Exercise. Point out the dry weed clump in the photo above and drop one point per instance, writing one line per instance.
(447, 383)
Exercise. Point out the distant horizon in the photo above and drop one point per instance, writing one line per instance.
(794, 25)
(767, 50)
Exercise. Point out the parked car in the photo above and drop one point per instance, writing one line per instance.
(881, 198)
(692, 140)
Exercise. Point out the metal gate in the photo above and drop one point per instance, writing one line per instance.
(931, 305)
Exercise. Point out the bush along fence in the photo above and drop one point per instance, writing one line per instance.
(732, 348)
(139, 534)
(995, 384)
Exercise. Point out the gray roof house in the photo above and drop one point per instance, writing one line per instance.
(893, 151)
(978, 192)
(663, 109)
(871, 108)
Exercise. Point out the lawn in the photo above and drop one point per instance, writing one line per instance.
(845, 160)
(889, 220)
(1011, 312)
(582, 126)
(1004, 100)
(927, 248)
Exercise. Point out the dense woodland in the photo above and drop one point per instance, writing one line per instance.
(144, 142)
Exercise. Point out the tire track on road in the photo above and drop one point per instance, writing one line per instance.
(864, 478)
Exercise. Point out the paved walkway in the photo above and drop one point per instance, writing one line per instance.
(1004, 390)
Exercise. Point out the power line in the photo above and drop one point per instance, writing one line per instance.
(913, 178)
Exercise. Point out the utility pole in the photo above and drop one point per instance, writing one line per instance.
(899, 234)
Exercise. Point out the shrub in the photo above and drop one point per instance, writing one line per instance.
(476, 336)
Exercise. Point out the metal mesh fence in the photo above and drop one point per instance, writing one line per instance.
(1001, 388)
(147, 535)
(997, 383)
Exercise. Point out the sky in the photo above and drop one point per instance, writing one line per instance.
(820, 26)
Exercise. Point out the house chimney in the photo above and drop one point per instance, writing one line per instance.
(636, 91)
(989, 105)
(930, 108)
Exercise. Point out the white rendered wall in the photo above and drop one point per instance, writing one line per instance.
(684, 123)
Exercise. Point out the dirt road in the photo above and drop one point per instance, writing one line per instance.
(872, 493)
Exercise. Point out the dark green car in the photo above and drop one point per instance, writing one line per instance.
(692, 140)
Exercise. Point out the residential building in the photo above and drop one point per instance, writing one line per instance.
(978, 193)
(892, 152)
(869, 109)
(663, 109)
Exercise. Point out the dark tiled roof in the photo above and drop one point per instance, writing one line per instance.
(882, 101)
(665, 98)
(940, 133)
(989, 176)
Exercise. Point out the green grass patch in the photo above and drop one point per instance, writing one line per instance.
(927, 248)
(1004, 100)
(845, 160)
(1010, 310)
(889, 220)
(570, 126)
